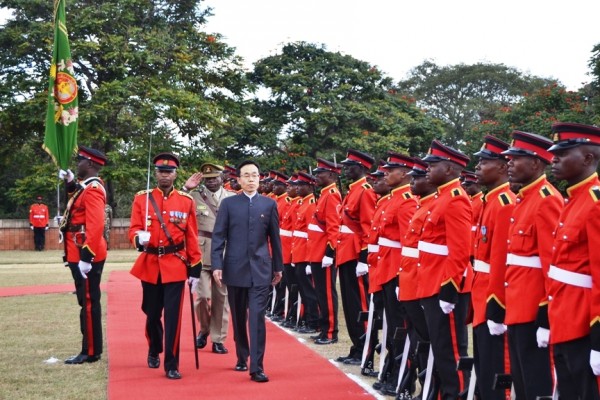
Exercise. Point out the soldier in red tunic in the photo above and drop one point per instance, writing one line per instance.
(164, 229)
(529, 250)
(38, 222)
(574, 284)
(82, 227)
(356, 213)
(490, 347)
(443, 259)
(322, 239)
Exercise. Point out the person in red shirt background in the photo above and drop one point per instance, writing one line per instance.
(38, 222)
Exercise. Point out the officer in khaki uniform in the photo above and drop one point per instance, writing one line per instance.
(212, 308)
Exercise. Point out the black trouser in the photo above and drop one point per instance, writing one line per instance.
(39, 238)
(248, 307)
(309, 296)
(529, 364)
(575, 378)
(490, 355)
(448, 334)
(354, 291)
(156, 298)
(418, 332)
(327, 298)
(395, 317)
(291, 283)
(90, 314)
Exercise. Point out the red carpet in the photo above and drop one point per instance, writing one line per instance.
(39, 289)
(295, 371)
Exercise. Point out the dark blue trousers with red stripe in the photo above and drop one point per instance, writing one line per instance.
(354, 291)
(167, 296)
(90, 314)
(448, 335)
(327, 298)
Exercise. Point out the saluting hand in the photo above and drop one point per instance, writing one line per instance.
(193, 181)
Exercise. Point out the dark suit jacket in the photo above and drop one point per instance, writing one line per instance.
(246, 231)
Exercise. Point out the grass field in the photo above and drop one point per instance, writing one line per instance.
(36, 328)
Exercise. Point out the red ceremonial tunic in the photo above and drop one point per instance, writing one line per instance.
(324, 224)
(443, 252)
(357, 211)
(490, 255)
(84, 238)
(372, 246)
(179, 215)
(574, 275)
(476, 206)
(38, 215)
(407, 273)
(286, 228)
(530, 250)
(305, 211)
(392, 227)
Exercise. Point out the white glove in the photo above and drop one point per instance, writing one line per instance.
(595, 362)
(361, 269)
(326, 262)
(46, 228)
(143, 237)
(446, 307)
(543, 337)
(293, 265)
(84, 268)
(68, 175)
(397, 291)
(495, 328)
(31, 227)
(308, 270)
(194, 282)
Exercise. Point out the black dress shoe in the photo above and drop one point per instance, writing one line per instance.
(241, 366)
(81, 358)
(315, 337)
(259, 377)
(326, 341)
(306, 329)
(370, 372)
(173, 374)
(153, 361)
(219, 348)
(201, 340)
(343, 358)
(352, 361)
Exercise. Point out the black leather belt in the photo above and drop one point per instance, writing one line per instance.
(162, 250)
(74, 228)
(205, 234)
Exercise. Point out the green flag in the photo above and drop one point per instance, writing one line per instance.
(60, 139)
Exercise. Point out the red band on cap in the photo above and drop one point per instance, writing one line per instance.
(166, 163)
(546, 155)
(439, 153)
(579, 135)
(91, 157)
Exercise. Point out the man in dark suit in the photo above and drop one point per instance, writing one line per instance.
(248, 226)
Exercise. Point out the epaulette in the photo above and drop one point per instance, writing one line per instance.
(595, 192)
(288, 200)
(312, 201)
(185, 194)
(456, 192)
(504, 199)
(545, 192)
(366, 186)
(144, 192)
(407, 195)
(333, 190)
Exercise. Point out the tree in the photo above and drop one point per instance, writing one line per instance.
(463, 95)
(142, 66)
(321, 103)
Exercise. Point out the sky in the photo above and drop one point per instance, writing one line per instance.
(551, 39)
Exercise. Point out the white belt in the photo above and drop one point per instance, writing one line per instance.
(313, 227)
(569, 277)
(372, 248)
(474, 228)
(410, 252)
(38, 216)
(284, 232)
(389, 243)
(439, 249)
(481, 266)
(345, 229)
(300, 234)
(521, 261)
